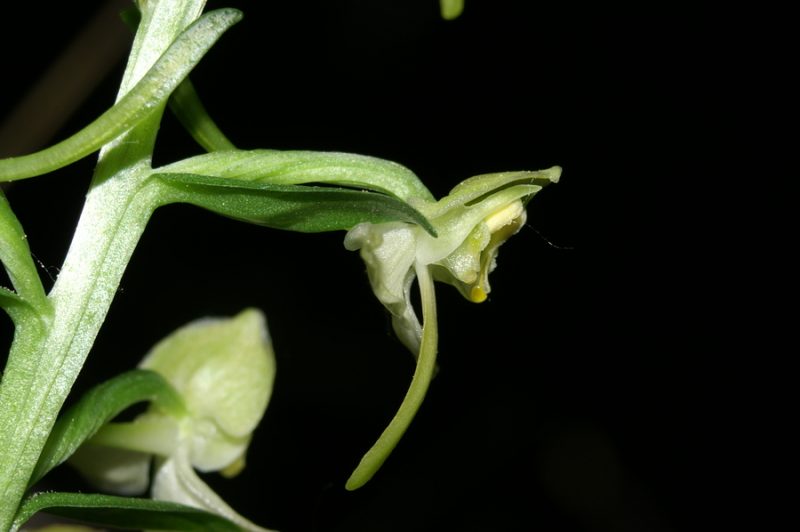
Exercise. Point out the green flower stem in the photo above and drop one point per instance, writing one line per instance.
(426, 364)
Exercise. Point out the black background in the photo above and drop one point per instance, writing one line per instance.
(579, 396)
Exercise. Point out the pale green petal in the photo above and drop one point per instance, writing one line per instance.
(213, 449)
(149, 433)
(223, 368)
(455, 225)
(116, 471)
(500, 233)
(389, 251)
(477, 186)
(462, 267)
(405, 322)
(176, 481)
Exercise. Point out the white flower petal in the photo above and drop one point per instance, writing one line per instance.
(176, 481)
(113, 470)
(389, 252)
(224, 370)
(212, 449)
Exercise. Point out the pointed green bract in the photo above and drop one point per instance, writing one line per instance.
(98, 406)
(123, 512)
(147, 96)
(289, 167)
(296, 208)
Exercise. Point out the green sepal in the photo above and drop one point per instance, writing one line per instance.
(122, 512)
(99, 406)
(306, 209)
(144, 98)
(477, 188)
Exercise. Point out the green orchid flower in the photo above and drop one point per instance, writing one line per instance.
(470, 223)
(223, 370)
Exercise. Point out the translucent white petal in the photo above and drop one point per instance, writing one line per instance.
(113, 470)
(224, 370)
(176, 481)
(389, 252)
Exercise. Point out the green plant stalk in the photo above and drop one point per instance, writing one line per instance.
(40, 374)
(44, 362)
(43, 365)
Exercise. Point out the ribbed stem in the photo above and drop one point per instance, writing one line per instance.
(40, 371)
(44, 362)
